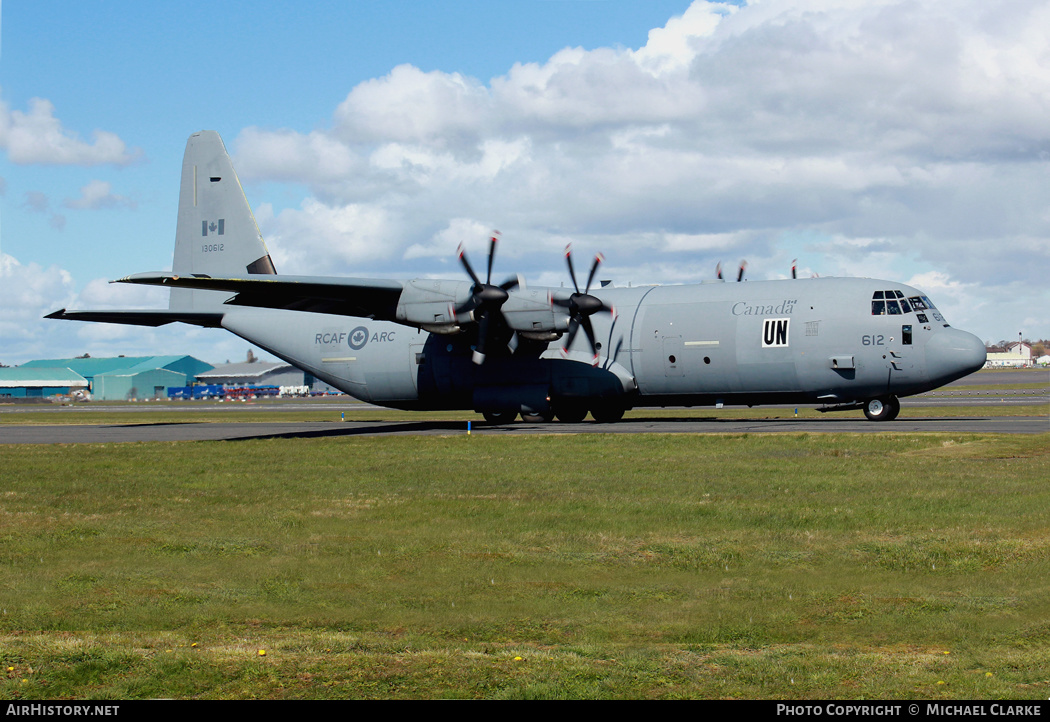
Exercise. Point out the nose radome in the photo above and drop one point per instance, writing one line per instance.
(952, 354)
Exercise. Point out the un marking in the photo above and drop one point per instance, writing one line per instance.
(775, 332)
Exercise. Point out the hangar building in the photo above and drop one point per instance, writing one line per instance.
(256, 373)
(129, 377)
(21, 383)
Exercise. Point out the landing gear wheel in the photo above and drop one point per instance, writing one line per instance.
(608, 412)
(537, 418)
(499, 417)
(571, 413)
(884, 408)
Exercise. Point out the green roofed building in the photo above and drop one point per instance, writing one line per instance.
(129, 377)
(21, 382)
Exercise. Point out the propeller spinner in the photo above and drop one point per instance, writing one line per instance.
(581, 306)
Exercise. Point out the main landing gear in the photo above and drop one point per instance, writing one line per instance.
(883, 408)
(568, 412)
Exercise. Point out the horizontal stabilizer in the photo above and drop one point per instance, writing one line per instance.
(144, 317)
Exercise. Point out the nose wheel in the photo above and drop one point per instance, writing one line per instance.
(883, 408)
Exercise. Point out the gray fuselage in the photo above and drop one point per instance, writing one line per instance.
(824, 340)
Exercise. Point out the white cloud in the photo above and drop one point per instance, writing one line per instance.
(445, 242)
(884, 138)
(674, 46)
(98, 194)
(37, 136)
(412, 106)
(348, 235)
(286, 155)
(31, 290)
(28, 292)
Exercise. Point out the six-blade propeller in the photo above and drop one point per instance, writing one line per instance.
(581, 306)
(485, 300)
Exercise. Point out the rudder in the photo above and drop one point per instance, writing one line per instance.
(216, 234)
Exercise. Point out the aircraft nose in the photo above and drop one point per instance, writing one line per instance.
(952, 354)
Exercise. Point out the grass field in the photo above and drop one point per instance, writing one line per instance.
(587, 566)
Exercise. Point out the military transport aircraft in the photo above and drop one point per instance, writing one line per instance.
(508, 349)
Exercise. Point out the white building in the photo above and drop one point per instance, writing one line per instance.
(1013, 355)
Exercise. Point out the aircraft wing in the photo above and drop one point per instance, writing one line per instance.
(364, 297)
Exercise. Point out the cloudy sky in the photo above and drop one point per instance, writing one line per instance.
(905, 140)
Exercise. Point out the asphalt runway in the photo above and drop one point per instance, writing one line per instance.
(234, 431)
(991, 392)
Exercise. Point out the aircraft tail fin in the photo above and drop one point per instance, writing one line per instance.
(216, 234)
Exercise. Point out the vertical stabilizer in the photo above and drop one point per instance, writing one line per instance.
(216, 234)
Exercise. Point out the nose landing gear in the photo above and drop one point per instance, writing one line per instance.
(883, 408)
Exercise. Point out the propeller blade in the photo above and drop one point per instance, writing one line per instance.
(718, 271)
(794, 269)
(740, 273)
(466, 264)
(483, 333)
(492, 255)
(574, 326)
(594, 269)
(572, 271)
(589, 330)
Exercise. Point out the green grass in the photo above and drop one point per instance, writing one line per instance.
(588, 566)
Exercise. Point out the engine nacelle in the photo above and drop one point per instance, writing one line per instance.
(430, 304)
(532, 314)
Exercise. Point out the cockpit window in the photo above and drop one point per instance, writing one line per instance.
(894, 303)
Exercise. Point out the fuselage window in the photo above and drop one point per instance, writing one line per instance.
(878, 308)
(878, 294)
(906, 334)
(894, 309)
(917, 303)
(905, 307)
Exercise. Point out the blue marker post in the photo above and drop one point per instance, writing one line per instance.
(468, 428)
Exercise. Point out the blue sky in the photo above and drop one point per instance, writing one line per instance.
(901, 140)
